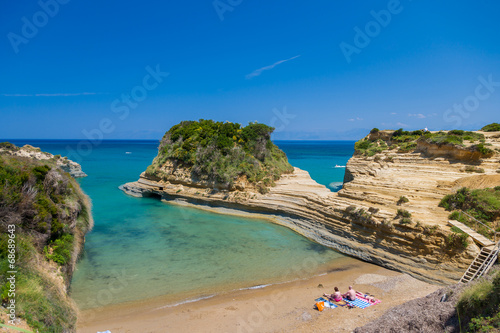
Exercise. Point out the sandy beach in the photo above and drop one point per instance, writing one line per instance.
(286, 307)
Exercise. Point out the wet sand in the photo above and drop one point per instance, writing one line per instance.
(286, 307)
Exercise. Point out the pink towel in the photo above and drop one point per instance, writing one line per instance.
(365, 298)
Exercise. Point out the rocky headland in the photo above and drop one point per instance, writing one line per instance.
(28, 151)
(368, 218)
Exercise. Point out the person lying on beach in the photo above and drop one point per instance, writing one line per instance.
(336, 296)
(350, 294)
(370, 299)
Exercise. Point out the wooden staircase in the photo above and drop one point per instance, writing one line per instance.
(485, 259)
(481, 264)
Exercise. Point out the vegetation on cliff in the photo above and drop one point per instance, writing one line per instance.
(479, 306)
(48, 214)
(494, 127)
(481, 204)
(219, 153)
(406, 141)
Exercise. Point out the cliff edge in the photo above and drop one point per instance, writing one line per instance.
(65, 164)
(44, 216)
(368, 218)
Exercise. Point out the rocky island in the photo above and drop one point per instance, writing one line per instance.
(44, 216)
(388, 211)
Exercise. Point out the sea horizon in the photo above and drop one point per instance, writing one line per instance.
(154, 140)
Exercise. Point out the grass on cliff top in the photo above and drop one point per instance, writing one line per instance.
(482, 204)
(494, 127)
(220, 152)
(369, 148)
(39, 200)
(479, 306)
(8, 146)
(406, 141)
(37, 299)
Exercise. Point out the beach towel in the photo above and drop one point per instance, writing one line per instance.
(361, 301)
(341, 303)
(365, 298)
(326, 302)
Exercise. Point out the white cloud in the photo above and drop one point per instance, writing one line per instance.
(401, 124)
(355, 119)
(51, 95)
(418, 115)
(259, 71)
(393, 113)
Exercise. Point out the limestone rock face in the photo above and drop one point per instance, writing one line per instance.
(73, 168)
(360, 220)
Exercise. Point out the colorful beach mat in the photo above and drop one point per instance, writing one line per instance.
(328, 304)
(361, 301)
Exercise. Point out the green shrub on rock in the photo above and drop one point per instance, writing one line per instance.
(402, 200)
(403, 213)
(405, 220)
(220, 153)
(479, 306)
(494, 127)
(481, 204)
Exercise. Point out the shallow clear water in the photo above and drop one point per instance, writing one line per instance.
(142, 248)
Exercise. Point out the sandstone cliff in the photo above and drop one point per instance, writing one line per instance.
(360, 220)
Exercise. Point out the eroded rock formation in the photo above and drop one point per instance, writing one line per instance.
(361, 219)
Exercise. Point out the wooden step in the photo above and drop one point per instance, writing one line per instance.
(477, 237)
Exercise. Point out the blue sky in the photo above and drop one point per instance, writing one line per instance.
(67, 69)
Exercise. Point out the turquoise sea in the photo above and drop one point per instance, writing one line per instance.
(142, 248)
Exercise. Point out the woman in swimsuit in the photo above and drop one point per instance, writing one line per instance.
(336, 296)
